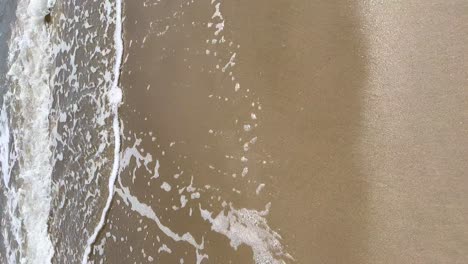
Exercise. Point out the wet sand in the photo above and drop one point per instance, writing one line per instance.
(350, 117)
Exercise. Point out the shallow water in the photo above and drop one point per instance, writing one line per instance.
(272, 131)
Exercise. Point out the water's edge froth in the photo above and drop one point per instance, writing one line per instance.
(29, 96)
(115, 98)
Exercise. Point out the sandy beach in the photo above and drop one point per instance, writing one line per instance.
(345, 120)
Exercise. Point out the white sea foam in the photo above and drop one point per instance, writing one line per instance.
(166, 186)
(115, 99)
(13, 231)
(133, 154)
(14, 227)
(146, 211)
(30, 61)
(259, 188)
(249, 227)
(5, 146)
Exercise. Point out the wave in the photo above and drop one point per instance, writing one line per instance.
(30, 97)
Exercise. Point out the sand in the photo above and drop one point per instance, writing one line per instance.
(354, 114)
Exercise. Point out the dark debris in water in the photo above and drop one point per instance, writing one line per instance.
(48, 19)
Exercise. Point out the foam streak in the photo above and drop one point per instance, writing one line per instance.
(115, 98)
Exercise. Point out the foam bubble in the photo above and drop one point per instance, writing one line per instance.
(166, 186)
(115, 96)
